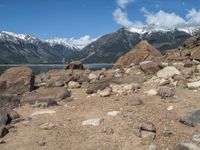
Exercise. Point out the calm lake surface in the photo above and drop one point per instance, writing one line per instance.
(40, 68)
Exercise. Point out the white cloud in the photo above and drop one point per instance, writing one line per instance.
(193, 17)
(123, 3)
(164, 20)
(160, 20)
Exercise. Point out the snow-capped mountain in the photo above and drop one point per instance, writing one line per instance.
(110, 47)
(20, 48)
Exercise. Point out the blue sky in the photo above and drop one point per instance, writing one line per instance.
(75, 18)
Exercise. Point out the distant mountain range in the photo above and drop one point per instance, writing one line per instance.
(19, 48)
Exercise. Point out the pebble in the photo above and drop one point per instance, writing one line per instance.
(152, 92)
(113, 113)
(93, 122)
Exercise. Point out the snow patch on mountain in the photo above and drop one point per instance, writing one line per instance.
(73, 42)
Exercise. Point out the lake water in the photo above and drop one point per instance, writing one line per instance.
(46, 67)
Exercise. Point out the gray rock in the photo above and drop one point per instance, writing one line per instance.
(12, 114)
(3, 117)
(166, 92)
(98, 86)
(3, 131)
(191, 118)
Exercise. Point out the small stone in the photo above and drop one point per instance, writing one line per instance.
(136, 101)
(93, 122)
(193, 85)
(92, 76)
(109, 131)
(152, 147)
(152, 92)
(170, 108)
(73, 85)
(166, 92)
(147, 137)
(113, 113)
(106, 92)
(167, 133)
(147, 126)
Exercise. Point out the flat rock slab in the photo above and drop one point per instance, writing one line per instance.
(43, 112)
(93, 122)
(42, 95)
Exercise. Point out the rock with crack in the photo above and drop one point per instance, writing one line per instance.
(147, 131)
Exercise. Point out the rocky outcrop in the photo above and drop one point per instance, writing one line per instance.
(142, 52)
(17, 81)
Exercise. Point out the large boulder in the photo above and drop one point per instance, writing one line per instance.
(43, 95)
(142, 52)
(75, 65)
(17, 80)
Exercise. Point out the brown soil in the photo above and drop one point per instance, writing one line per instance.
(71, 135)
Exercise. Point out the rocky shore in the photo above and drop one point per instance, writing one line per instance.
(148, 100)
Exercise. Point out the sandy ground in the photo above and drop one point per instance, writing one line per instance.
(71, 135)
